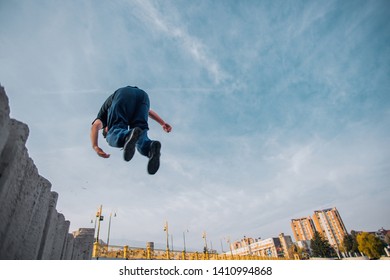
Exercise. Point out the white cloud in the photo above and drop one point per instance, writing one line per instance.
(176, 30)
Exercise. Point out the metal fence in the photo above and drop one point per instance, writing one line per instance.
(101, 251)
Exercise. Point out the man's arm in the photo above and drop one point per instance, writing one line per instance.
(96, 126)
(153, 115)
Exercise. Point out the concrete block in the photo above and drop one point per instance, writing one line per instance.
(13, 166)
(4, 118)
(61, 231)
(22, 212)
(36, 224)
(49, 230)
(68, 250)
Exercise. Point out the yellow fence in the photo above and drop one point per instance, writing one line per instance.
(132, 253)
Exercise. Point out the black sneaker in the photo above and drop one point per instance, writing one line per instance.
(129, 147)
(154, 157)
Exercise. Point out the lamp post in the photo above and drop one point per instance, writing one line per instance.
(109, 229)
(166, 230)
(230, 246)
(206, 251)
(96, 247)
(205, 241)
(100, 218)
(184, 240)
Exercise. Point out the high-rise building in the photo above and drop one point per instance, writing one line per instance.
(303, 228)
(286, 244)
(329, 224)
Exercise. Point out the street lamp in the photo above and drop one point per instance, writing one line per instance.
(222, 246)
(230, 246)
(184, 239)
(204, 236)
(109, 228)
(166, 230)
(100, 218)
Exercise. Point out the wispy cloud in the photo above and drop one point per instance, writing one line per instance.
(176, 30)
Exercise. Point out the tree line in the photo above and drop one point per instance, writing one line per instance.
(353, 245)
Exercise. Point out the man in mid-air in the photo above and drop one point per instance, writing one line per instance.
(124, 120)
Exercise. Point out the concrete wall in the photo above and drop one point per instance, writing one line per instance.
(30, 226)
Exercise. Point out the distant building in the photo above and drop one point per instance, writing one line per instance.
(305, 245)
(303, 228)
(242, 243)
(381, 234)
(286, 242)
(270, 247)
(327, 222)
(83, 240)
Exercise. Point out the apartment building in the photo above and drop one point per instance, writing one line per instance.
(327, 222)
(270, 247)
(303, 228)
(286, 242)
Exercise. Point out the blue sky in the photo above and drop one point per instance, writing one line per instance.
(278, 108)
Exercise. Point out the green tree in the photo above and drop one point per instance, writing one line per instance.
(350, 244)
(355, 247)
(370, 245)
(320, 247)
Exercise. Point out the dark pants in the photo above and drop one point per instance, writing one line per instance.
(129, 109)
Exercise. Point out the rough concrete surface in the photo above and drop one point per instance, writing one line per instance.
(30, 226)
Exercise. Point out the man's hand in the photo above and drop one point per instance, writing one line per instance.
(96, 126)
(100, 152)
(167, 128)
(157, 118)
